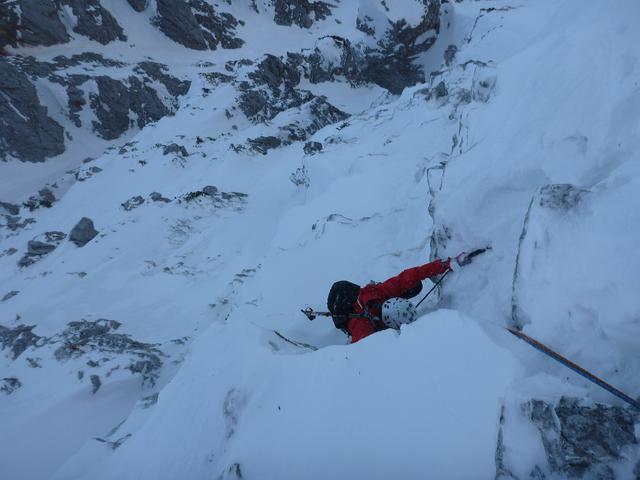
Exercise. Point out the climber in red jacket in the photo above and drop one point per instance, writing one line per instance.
(346, 298)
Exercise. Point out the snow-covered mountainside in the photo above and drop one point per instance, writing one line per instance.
(179, 178)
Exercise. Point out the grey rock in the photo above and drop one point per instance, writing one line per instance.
(76, 102)
(441, 90)
(579, 439)
(211, 195)
(300, 178)
(157, 197)
(176, 21)
(217, 29)
(83, 232)
(311, 148)
(217, 78)
(300, 12)
(390, 64)
(27, 260)
(151, 400)
(325, 70)
(314, 115)
(10, 385)
(450, 55)
(9, 19)
(40, 23)
(275, 74)
(28, 133)
(9, 295)
(111, 106)
(234, 472)
(157, 71)
(264, 144)
(8, 251)
(34, 362)
(272, 88)
(366, 24)
(115, 100)
(175, 149)
(95, 22)
(132, 203)
(18, 339)
(560, 196)
(252, 103)
(62, 62)
(138, 5)
(10, 208)
(45, 198)
(83, 337)
(14, 223)
(55, 237)
(144, 101)
(36, 248)
(95, 383)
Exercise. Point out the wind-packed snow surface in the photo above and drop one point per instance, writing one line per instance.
(168, 343)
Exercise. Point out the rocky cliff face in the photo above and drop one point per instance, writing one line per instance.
(128, 96)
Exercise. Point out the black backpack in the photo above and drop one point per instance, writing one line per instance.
(342, 296)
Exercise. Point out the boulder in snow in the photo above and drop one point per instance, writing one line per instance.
(83, 232)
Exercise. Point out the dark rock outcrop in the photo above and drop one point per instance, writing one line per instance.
(176, 21)
(138, 5)
(300, 12)
(196, 25)
(157, 71)
(313, 116)
(35, 22)
(132, 203)
(40, 246)
(389, 63)
(581, 440)
(18, 339)
(9, 385)
(157, 197)
(10, 208)
(45, 198)
(272, 89)
(95, 22)
(174, 148)
(212, 196)
(115, 100)
(264, 144)
(85, 337)
(83, 232)
(38, 22)
(311, 148)
(27, 132)
(9, 295)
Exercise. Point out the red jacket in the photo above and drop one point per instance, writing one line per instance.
(372, 297)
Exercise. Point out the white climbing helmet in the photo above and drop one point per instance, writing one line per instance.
(397, 311)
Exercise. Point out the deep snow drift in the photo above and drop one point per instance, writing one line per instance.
(156, 349)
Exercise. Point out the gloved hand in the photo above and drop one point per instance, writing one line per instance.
(463, 259)
(459, 261)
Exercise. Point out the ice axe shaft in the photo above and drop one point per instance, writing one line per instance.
(312, 314)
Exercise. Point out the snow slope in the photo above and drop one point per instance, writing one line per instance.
(539, 93)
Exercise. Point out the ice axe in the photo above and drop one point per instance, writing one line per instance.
(312, 314)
